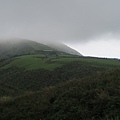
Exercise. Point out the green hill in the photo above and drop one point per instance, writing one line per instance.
(31, 62)
(20, 47)
(52, 61)
(38, 82)
(15, 47)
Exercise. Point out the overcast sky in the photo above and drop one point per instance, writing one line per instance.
(90, 26)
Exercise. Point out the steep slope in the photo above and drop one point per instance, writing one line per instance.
(62, 47)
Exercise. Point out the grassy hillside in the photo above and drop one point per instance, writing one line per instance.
(32, 62)
(38, 83)
(51, 62)
(92, 60)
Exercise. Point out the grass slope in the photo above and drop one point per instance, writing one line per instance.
(94, 60)
(51, 62)
(32, 62)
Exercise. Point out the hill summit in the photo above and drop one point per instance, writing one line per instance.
(15, 47)
(62, 47)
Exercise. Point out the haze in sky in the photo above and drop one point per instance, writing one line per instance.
(90, 26)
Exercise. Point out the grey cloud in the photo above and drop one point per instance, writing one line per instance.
(62, 20)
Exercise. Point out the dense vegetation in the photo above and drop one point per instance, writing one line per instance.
(53, 85)
(90, 98)
(36, 79)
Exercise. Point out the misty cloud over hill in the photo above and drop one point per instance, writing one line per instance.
(62, 47)
(23, 46)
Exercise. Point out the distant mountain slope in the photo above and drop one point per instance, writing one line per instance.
(62, 47)
(15, 47)
(20, 47)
